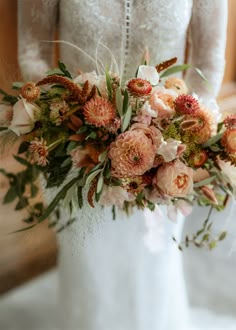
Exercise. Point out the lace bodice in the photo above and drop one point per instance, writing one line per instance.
(126, 27)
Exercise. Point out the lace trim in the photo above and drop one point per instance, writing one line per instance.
(127, 33)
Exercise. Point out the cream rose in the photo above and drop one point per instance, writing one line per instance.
(25, 115)
(174, 179)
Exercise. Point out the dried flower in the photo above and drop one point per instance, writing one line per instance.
(30, 91)
(131, 154)
(186, 105)
(177, 85)
(58, 109)
(99, 112)
(38, 152)
(139, 87)
(228, 140)
(230, 121)
(198, 158)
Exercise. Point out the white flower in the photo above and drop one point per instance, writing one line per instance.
(115, 195)
(229, 172)
(148, 73)
(147, 110)
(168, 149)
(25, 115)
(6, 113)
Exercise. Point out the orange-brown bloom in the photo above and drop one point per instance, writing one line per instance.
(176, 84)
(199, 158)
(30, 91)
(230, 121)
(228, 140)
(99, 112)
(131, 154)
(139, 87)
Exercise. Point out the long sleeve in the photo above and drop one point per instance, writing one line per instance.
(207, 46)
(36, 23)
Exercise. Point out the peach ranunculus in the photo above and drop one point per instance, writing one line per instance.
(25, 115)
(151, 132)
(132, 154)
(6, 113)
(115, 195)
(174, 179)
(162, 102)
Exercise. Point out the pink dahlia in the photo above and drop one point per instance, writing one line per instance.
(99, 112)
(38, 151)
(131, 154)
(151, 132)
(186, 105)
(139, 87)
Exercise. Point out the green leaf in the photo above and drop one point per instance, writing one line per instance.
(23, 229)
(80, 196)
(10, 195)
(212, 245)
(55, 71)
(119, 102)
(100, 183)
(23, 147)
(34, 190)
(212, 140)
(204, 182)
(222, 235)
(103, 156)
(175, 69)
(126, 119)
(92, 176)
(72, 145)
(22, 161)
(109, 85)
(61, 195)
(2, 92)
(17, 85)
(66, 162)
(23, 202)
(92, 135)
(63, 68)
(82, 129)
(125, 102)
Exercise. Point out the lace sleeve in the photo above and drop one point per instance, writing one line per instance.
(36, 23)
(207, 46)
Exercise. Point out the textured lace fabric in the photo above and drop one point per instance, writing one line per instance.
(113, 281)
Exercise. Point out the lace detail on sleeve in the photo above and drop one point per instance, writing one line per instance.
(207, 46)
(36, 23)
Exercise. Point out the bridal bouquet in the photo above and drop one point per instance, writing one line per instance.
(144, 144)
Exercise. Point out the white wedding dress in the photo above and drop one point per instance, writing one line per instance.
(124, 274)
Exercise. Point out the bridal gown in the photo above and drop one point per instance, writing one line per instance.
(124, 274)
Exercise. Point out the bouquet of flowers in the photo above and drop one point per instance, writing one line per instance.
(144, 144)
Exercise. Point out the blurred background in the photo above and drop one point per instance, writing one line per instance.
(28, 260)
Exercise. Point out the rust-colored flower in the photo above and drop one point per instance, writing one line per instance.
(186, 105)
(198, 158)
(30, 91)
(230, 121)
(99, 112)
(199, 126)
(38, 152)
(228, 140)
(176, 84)
(131, 154)
(139, 87)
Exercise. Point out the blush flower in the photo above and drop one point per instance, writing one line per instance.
(38, 152)
(99, 112)
(174, 179)
(131, 154)
(162, 102)
(151, 132)
(169, 149)
(177, 85)
(115, 195)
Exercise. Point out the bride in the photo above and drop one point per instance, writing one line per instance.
(124, 274)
